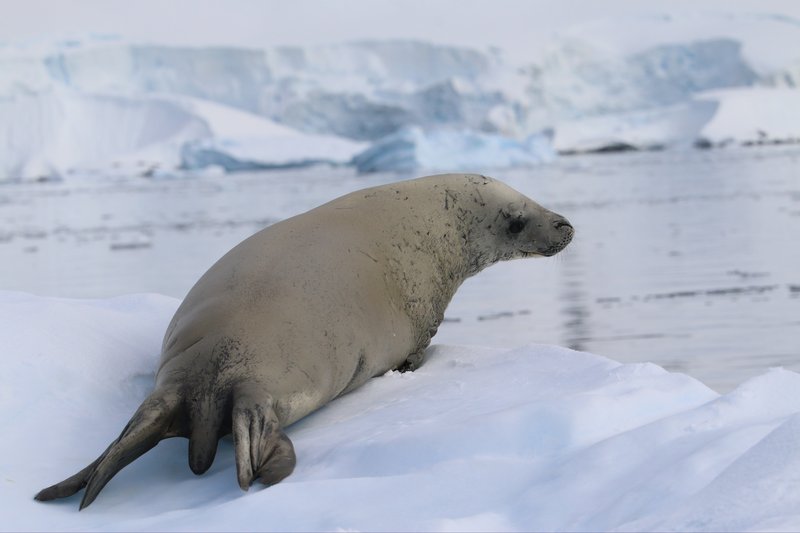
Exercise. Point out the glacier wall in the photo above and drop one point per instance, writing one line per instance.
(358, 90)
(578, 80)
(643, 82)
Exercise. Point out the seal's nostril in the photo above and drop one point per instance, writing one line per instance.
(561, 223)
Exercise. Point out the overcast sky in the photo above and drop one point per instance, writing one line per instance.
(507, 23)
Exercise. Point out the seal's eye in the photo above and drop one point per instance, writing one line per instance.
(516, 226)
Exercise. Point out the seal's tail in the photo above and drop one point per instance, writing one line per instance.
(149, 425)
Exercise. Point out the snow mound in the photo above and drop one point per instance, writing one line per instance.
(538, 438)
(414, 148)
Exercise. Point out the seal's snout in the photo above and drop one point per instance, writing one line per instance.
(559, 237)
(566, 230)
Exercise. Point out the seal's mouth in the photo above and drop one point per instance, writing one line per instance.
(549, 252)
(525, 253)
(566, 232)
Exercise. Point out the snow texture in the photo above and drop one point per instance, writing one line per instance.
(537, 438)
(636, 81)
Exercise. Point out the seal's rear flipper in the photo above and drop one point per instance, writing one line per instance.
(206, 416)
(262, 449)
(69, 486)
(148, 426)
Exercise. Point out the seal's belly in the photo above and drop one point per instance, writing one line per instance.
(306, 363)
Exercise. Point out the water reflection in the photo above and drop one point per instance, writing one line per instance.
(575, 301)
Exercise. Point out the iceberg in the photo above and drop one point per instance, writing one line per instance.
(650, 86)
(740, 116)
(414, 148)
(538, 438)
(650, 129)
(580, 79)
(239, 140)
(757, 115)
(50, 134)
(44, 135)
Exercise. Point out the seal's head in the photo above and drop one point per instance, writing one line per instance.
(514, 226)
(530, 229)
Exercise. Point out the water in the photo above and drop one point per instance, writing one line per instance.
(685, 259)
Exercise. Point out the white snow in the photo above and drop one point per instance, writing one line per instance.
(537, 438)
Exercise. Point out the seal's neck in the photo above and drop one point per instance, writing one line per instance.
(431, 252)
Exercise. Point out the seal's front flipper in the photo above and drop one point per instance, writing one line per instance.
(415, 360)
(412, 362)
(147, 427)
(262, 449)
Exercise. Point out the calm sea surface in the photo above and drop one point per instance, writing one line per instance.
(687, 259)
